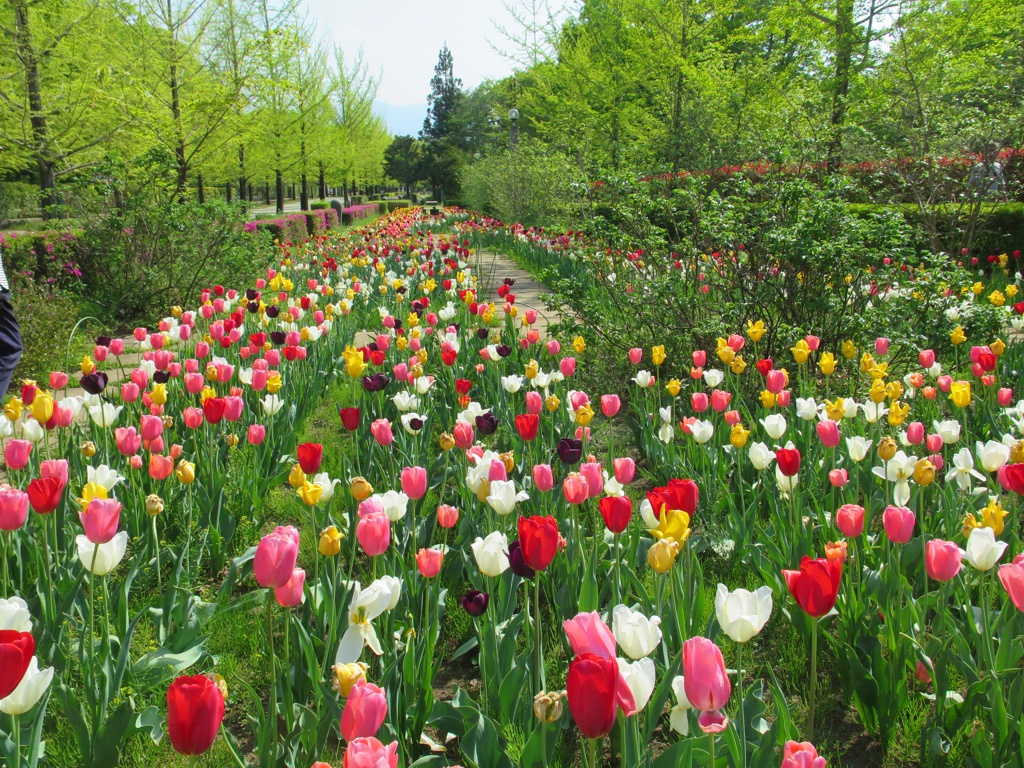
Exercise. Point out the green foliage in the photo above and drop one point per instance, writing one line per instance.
(403, 160)
(46, 315)
(532, 185)
(18, 199)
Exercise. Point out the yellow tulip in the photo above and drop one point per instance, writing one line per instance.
(738, 436)
(206, 394)
(978, 288)
(446, 441)
(960, 393)
(159, 394)
(401, 343)
(509, 460)
(211, 372)
(897, 413)
(12, 409)
(886, 448)
(532, 369)
(827, 363)
(658, 354)
(88, 449)
(767, 399)
(997, 298)
(662, 555)
(360, 488)
(584, 415)
(92, 491)
(552, 402)
(1011, 290)
(997, 347)
(330, 541)
(726, 354)
(801, 352)
(957, 336)
(309, 493)
(1017, 453)
(42, 407)
(835, 409)
(347, 675)
(185, 472)
(755, 330)
(877, 391)
(924, 472)
(849, 349)
(87, 365)
(893, 390)
(867, 362)
(673, 387)
(739, 365)
(296, 477)
(993, 515)
(579, 344)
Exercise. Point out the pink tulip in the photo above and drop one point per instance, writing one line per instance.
(578, 399)
(610, 405)
(233, 407)
(55, 468)
(275, 558)
(881, 346)
(735, 342)
(921, 672)
(941, 559)
(272, 356)
(257, 433)
(775, 381)
(100, 520)
(130, 392)
(813, 342)
(1012, 578)
(531, 316)
(135, 462)
(128, 440)
(290, 595)
(575, 488)
(699, 402)
(784, 398)
(447, 515)
(915, 433)
(373, 531)
(13, 509)
(850, 520)
(365, 710)
(801, 755)
(193, 417)
(700, 358)
(534, 403)
(194, 383)
(567, 365)
(1004, 397)
(937, 461)
(926, 358)
(553, 346)
(463, 434)
(401, 372)
(152, 427)
(720, 400)
(16, 453)
(381, 431)
(58, 380)
(732, 418)
(498, 471)
(370, 753)
(429, 562)
(838, 478)
(414, 482)
(706, 680)
(160, 467)
(624, 469)
(636, 355)
(591, 472)
(945, 382)
(898, 523)
(588, 633)
(828, 433)
(543, 478)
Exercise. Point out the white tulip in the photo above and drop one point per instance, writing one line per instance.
(29, 690)
(850, 408)
(365, 606)
(774, 425)
(742, 613)
(992, 455)
(679, 718)
(447, 312)
(665, 433)
(636, 635)
(107, 556)
(491, 554)
(858, 447)
(935, 371)
(503, 496)
(983, 551)
(760, 456)
(713, 377)
(643, 379)
(104, 415)
(702, 431)
(423, 384)
(104, 475)
(612, 487)
(32, 430)
(948, 430)
(873, 411)
(405, 401)
(786, 482)
(647, 514)
(665, 414)
(272, 404)
(640, 678)
(14, 615)
(963, 470)
(395, 504)
(512, 384)
(326, 486)
(407, 419)
(74, 404)
(806, 409)
(469, 415)
(6, 428)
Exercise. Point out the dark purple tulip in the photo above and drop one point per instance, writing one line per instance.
(252, 294)
(161, 377)
(482, 333)
(253, 307)
(94, 383)
(376, 382)
(475, 603)
(570, 450)
(273, 311)
(486, 423)
(278, 337)
(518, 563)
(504, 350)
(103, 341)
(509, 282)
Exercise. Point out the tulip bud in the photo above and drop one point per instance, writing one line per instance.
(924, 472)
(360, 489)
(88, 449)
(548, 707)
(154, 505)
(185, 472)
(1017, 453)
(330, 541)
(231, 440)
(347, 675)
(662, 555)
(296, 477)
(446, 441)
(886, 448)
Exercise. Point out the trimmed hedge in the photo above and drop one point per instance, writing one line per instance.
(394, 205)
(1001, 224)
(353, 212)
(290, 228)
(319, 205)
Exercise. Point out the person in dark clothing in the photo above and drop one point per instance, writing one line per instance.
(10, 335)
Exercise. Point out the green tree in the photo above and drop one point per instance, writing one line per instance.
(403, 161)
(441, 131)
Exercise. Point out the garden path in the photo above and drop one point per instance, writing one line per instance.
(492, 268)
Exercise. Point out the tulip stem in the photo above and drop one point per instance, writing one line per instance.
(156, 554)
(592, 750)
(711, 750)
(814, 675)
(16, 736)
(7, 578)
(272, 713)
(739, 685)
(538, 644)
(287, 676)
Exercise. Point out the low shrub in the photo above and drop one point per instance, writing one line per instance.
(46, 315)
(288, 229)
(394, 205)
(319, 205)
(18, 199)
(353, 212)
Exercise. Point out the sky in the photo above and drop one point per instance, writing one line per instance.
(401, 40)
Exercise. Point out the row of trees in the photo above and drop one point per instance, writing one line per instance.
(648, 86)
(179, 94)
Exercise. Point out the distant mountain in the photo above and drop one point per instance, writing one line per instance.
(406, 120)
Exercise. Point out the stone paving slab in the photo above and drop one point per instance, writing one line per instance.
(492, 268)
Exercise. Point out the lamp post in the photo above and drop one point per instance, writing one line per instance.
(513, 130)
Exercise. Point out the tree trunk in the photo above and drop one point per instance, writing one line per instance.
(243, 181)
(279, 190)
(841, 85)
(202, 189)
(322, 183)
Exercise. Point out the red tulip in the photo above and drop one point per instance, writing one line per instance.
(1014, 474)
(16, 651)
(677, 495)
(788, 460)
(349, 418)
(310, 455)
(364, 712)
(195, 709)
(527, 425)
(616, 511)
(44, 494)
(590, 689)
(815, 586)
(213, 409)
(538, 539)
